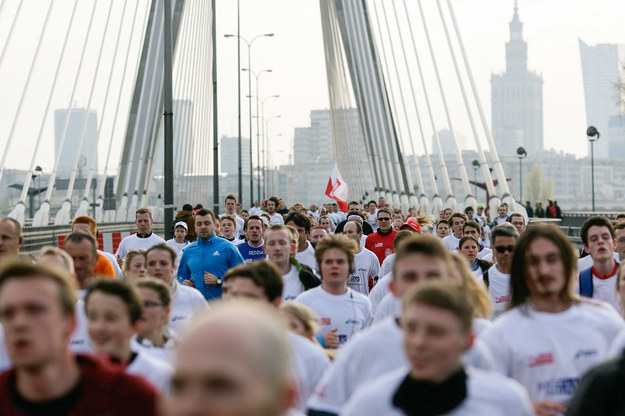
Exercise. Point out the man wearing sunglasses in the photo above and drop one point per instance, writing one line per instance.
(497, 278)
(381, 242)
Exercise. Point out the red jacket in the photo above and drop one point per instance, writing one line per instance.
(104, 391)
(381, 245)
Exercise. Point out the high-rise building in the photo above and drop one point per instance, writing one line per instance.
(447, 142)
(602, 70)
(80, 120)
(313, 154)
(314, 144)
(229, 156)
(517, 98)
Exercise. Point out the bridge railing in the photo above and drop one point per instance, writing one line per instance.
(35, 238)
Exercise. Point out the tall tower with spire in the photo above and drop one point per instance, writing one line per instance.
(517, 98)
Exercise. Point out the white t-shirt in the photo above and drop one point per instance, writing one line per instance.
(451, 242)
(80, 343)
(479, 274)
(617, 347)
(390, 307)
(186, 301)
(307, 257)
(363, 240)
(308, 362)
(387, 265)
(604, 289)
(292, 285)
(366, 264)
(255, 211)
(586, 262)
(480, 325)
(370, 354)
(487, 394)
(156, 372)
(178, 247)
(373, 220)
(276, 219)
(163, 353)
(381, 289)
(485, 252)
(498, 290)
(549, 352)
(367, 356)
(348, 313)
(133, 241)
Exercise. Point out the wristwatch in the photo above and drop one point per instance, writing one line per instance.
(219, 281)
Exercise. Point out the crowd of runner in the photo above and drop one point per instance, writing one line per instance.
(291, 311)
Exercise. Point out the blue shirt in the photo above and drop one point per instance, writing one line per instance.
(214, 255)
(250, 253)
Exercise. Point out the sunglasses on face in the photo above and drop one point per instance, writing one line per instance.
(384, 219)
(502, 249)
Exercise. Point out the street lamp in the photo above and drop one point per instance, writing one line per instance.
(267, 133)
(476, 166)
(521, 154)
(591, 132)
(257, 76)
(271, 167)
(265, 163)
(249, 65)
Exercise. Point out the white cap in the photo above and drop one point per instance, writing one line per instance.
(181, 224)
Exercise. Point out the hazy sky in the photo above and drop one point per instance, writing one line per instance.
(295, 54)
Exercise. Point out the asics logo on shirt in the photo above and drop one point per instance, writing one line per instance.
(540, 359)
(587, 353)
(177, 318)
(378, 244)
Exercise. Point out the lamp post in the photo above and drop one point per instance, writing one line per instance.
(271, 167)
(240, 150)
(257, 76)
(521, 154)
(267, 129)
(265, 163)
(476, 166)
(591, 132)
(249, 65)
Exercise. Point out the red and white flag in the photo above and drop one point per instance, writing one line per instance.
(337, 188)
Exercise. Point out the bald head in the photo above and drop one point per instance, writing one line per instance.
(241, 345)
(11, 239)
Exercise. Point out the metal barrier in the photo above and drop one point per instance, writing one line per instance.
(35, 238)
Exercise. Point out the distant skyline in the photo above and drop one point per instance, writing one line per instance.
(296, 56)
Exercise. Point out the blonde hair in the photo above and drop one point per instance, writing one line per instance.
(131, 255)
(67, 260)
(302, 313)
(477, 293)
